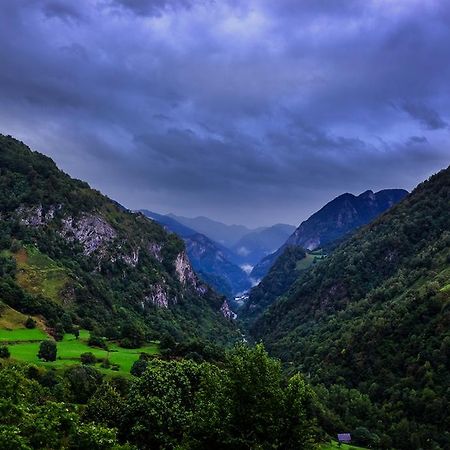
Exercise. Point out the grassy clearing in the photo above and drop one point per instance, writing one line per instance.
(333, 445)
(11, 319)
(12, 326)
(306, 262)
(39, 274)
(20, 335)
(70, 349)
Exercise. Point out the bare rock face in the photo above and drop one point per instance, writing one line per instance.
(92, 232)
(158, 296)
(132, 259)
(184, 271)
(155, 250)
(226, 311)
(36, 216)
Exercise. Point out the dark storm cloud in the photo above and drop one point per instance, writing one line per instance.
(255, 111)
(152, 7)
(429, 118)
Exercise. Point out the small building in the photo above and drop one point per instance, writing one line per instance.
(344, 438)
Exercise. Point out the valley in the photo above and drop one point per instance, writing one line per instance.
(354, 319)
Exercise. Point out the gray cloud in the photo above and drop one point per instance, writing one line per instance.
(429, 118)
(255, 111)
(153, 7)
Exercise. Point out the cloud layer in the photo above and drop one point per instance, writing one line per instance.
(255, 112)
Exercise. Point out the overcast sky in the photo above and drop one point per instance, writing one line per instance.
(253, 112)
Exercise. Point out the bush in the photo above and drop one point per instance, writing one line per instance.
(105, 364)
(88, 358)
(97, 341)
(4, 352)
(47, 351)
(30, 323)
(139, 367)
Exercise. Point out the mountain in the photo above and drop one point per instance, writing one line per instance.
(257, 244)
(73, 256)
(169, 223)
(213, 266)
(336, 219)
(370, 323)
(210, 260)
(227, 235)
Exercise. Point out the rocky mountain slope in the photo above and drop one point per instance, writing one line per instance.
(371, 322)
(73, 255)
(210, 260)
(336, 219)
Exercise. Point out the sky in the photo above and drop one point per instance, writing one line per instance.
(253, 112)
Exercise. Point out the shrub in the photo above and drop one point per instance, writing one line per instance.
(97, 341)
(47, 351)
(30, 323)
(4, 352)
(88, 358)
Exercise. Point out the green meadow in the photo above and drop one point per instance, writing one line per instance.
(24, 346)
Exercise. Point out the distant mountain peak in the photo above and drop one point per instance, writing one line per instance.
(334, 220)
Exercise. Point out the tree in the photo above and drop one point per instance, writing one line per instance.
(88, 358)
(76, 332)
(97, 341)
(30, 323)
(106, 406)
(139, 367)
(132, 335)
(47, 351)
(4, 352)
(82, 382)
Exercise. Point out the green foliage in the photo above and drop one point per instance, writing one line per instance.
(4, 352)
(32, 418)
(47, 351)
(370, 324)
(82, 381)
(30, 323)
(244, 404)
(97, 341)
(88, 358)
(281, 276)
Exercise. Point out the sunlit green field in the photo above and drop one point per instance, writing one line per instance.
(70, 349)
(22, 334)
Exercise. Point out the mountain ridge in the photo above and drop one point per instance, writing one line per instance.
(334, 220)
(114, 266)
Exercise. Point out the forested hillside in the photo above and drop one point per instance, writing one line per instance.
(371, 323)
(283, 273)
(75, 257)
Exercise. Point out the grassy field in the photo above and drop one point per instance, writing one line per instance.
(309, 259)
(70, 349)
(39, 274)
(22, 335)
(333, 445)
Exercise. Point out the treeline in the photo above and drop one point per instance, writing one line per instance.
(243, 402)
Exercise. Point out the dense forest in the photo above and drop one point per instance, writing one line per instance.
(242, 401)
(370, 324)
